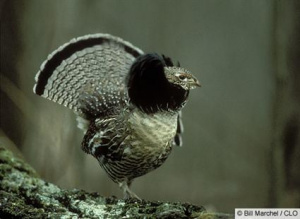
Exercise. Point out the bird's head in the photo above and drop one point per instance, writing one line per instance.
(181, 77)
(155, 84)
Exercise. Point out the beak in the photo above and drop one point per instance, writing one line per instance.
(197, 83)
(194, 84)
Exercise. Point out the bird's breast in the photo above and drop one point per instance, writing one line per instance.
(153, 131)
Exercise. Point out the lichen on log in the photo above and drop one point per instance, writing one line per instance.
(23, 194)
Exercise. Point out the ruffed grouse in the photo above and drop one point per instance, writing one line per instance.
(128, 103)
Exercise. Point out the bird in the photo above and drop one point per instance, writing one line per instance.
(128, 103)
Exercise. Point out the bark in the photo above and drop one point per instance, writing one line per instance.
(285, 147)
(24, 195)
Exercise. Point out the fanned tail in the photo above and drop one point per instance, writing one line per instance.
(86, 66)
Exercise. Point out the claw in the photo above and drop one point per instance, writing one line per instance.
(127, 192)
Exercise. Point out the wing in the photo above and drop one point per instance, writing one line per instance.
(105, 138)
(87, 74)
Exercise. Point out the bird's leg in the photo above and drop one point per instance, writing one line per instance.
(126, 190)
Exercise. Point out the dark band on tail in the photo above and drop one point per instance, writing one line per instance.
(65, 53)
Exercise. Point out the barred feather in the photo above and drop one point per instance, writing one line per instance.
(87, 74)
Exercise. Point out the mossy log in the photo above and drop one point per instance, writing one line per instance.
(24, 195)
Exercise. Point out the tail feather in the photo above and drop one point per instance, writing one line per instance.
(87, 64)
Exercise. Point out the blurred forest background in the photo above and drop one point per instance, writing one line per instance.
(241, 141)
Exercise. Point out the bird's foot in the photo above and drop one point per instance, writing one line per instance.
(128, 194)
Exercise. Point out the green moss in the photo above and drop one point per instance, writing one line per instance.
(7, 157)
(24, 195)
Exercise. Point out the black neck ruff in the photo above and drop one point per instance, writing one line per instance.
(149, 89)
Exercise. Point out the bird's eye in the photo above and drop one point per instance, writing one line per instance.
(181, 77)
